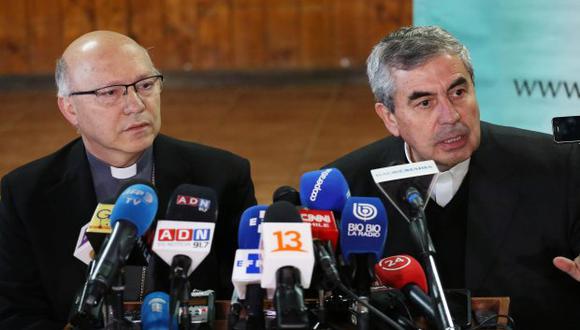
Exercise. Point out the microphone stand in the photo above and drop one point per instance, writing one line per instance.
(423, 239)
(254, 304)
(179, 291)
(363, 276)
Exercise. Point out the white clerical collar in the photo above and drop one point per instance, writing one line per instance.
(447, 183)
(124, 172)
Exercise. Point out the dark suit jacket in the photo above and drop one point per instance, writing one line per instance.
(523, 211)
(45, 203)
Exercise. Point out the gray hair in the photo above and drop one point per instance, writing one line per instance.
(61, 77)
(406, 49)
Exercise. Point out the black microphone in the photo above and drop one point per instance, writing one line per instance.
(184, 239)
(288, 261)
(287, 193)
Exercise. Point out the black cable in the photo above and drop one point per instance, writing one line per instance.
(377, 312)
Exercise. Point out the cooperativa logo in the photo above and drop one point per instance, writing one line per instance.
(318, 185)
(364, 211)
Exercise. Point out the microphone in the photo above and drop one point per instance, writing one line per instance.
(155, 312)
(363, 233)
(288, 262)
(405, 273)
(83, 249)
(325, 240)
(420, 233)
(249, 230)
(286, 193)
(99, 227)
(325, 189)
(247, 270)
(133, 213)
(185, 241)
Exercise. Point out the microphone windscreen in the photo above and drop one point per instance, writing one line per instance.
(324, 190)
(136, 204)
(399, 271)
(155, 312)
(282, 211)
(248, 231)
(192, 203)
(363, 227)
(287, 193)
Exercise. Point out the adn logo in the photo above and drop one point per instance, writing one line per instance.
(183, 234)
(172, 234)
(364, 211)
(202, 234)
(202, 204)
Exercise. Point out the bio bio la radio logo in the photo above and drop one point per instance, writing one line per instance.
(364, 211)
(394, 263)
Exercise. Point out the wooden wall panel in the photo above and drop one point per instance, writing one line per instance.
(13, 38)
(217, 35)
(45, 35)
(112, 15)
(317, 34)
(147, 26)
(282, 36)
(248, 29)
(351, 27)
(78, 18)
(179, 35)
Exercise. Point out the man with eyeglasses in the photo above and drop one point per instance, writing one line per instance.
(110, 91)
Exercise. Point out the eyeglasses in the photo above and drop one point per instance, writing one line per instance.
(111, 95)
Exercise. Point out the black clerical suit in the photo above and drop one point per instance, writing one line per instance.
(44, 205)
(522, 210)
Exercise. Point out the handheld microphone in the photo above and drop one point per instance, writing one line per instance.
(250, 228)
(99, 229)
(248, 262)
(288, 262)
(184, 241)
(325, 189)
(325, 240)
(363, 228)
(133, 213)
(155, 312)
(247, 270)
(405, 273)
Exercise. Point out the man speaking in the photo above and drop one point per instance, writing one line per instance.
(109, 90)
(506, 203)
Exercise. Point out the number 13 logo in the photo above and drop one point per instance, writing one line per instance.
(288, 241)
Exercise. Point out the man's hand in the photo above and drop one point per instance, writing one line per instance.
(572, 267)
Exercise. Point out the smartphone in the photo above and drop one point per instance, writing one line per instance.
(566, 129)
